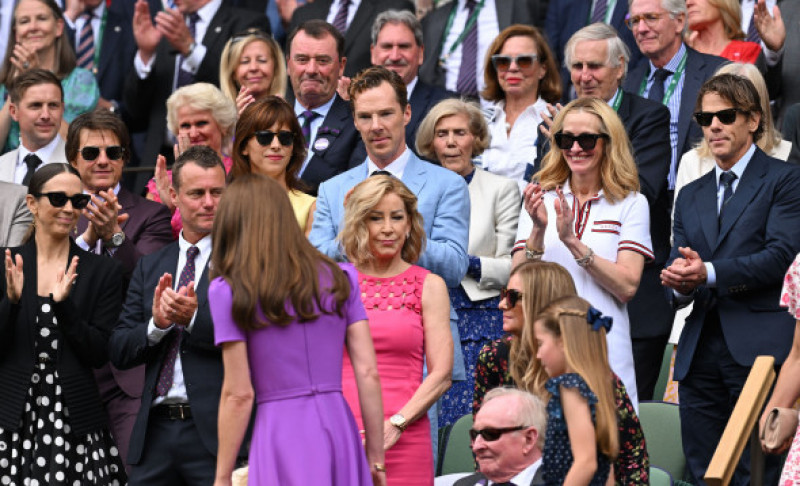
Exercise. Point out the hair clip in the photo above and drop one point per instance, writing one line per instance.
(597, 319)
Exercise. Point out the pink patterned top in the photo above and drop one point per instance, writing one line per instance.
(790, 295)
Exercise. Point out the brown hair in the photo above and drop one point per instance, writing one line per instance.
(374, 76)
(263, 255)
(549, 86)
(318, 29)
(354, 235)
(260, 115)
(200, 155)
(30, 78)
(737, 90)
(97, 120)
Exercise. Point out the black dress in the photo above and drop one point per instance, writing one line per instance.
(44, 449)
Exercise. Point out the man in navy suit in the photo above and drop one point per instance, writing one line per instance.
(674, 71)
(315, 63)
(736, 230)
(166, 325)
(397, 46)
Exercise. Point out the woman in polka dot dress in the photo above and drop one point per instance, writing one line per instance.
(54, 328)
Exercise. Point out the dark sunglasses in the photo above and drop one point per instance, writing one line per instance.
(511, 295)
(113, 152)
(587, 141)
(490, 435)
(265, 137)
(59, 199)
(726, 117)
(503, 63)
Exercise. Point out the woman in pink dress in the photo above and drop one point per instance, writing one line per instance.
(409, 318)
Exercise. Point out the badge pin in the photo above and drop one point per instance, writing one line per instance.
(321, 144)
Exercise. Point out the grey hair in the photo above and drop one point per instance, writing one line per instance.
(531, 409)
(595, 32)
(674, 7)
(397, 17)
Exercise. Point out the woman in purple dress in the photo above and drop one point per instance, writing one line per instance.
(283, 314)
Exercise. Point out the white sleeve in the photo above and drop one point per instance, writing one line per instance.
(635, 230)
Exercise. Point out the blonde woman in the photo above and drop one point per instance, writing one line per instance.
(251, 67)
(715, 28)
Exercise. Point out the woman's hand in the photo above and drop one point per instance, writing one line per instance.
(391, 435)
(533, 199)
(183, 144)
(24, 58)
(564, 218)
(14, 277)
(64, 281)
(162, 181)
(243, 99)
(783, 447)
(378, 477)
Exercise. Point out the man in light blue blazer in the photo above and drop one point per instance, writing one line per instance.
(381, 112)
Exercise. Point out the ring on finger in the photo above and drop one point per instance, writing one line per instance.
(683, 284)
(26, 65)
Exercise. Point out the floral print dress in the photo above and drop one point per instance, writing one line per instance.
(790, 298)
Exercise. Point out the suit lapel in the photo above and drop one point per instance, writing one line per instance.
(706, 205)
(504, 10)
(414, 174)
(30, 289)
(746, 190)
(419, 99)
(360, 20)
(111, 37)
(127, 202)
(693, 80)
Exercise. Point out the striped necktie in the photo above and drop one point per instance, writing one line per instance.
(85, 49)
(599, 12)
(467, 82)
(340, 21)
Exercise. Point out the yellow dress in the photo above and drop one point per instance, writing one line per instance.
(301, 203)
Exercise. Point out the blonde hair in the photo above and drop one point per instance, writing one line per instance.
(586, 354)
(354, 236)
(452, 107)
(229, 61)
(771, 137)
(203, 97)
(542, 282)
(618, 174)
(730, 11)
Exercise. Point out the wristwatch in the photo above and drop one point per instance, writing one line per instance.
(116, 240)
(398, 421)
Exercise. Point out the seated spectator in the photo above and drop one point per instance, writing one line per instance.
(15, 218)
(269, 141)
(715, 28)
(452, 134)
(198, 114)
(507, 439)
(521, 77)
(41, 44)
(251, 67)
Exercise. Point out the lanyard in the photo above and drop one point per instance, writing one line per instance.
(617, 100)
(672, 82)
(612, 4)
(470, 22)
(99, 43)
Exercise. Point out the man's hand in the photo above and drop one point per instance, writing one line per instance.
(146, 35)
(171, 24)
(547, 118)
(770, 27)
(685, 274)
(159, 314)
(73, 9)
(104, 216)
(179, 306)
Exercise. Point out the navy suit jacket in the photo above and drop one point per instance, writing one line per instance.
(200, 358)
(116, 51)
(699, 67)
(358, 37)
(423, 98)
(565, 17)
(750, 249)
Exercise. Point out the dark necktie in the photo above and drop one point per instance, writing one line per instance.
(657, 89)
(381, 172)
(184, 76)
(752, 32)
(599, 12)
(85, 48)
(340, 21)
(32, 161)
(308, 117)
(726, 179)
(467, 83)
(164, 382)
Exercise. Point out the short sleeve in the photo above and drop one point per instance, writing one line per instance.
(570, 380)
(220, 300)
(789, 294)
(635, 230)
(354, 308)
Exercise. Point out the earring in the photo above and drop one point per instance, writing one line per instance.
(408, 235)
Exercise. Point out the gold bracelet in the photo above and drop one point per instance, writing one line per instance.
(379, 467)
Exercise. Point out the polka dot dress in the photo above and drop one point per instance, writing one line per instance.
(44, 451)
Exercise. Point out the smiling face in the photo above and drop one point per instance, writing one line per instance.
(314, 69)
(453, 143)
(200, 126)
(513, 317)
(50, 219)
(662, 40)
(387, 225)
(381, 121)
(700, 14)
(728, 143)
(36, 26)
(397, 50)
(271, 160)
(583, 162)
(100, 174)
(591, 73)
(39, 114)
(515, 81)
(550, 350)
(256, 68)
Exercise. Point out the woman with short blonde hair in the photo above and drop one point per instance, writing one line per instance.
(251, 67)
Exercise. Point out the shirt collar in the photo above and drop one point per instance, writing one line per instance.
(396, 168)
(207, 11)
(98, 12)
(740, 165)
(43, 153)
(321, 110)
(204, 245)
(611, 101)
(672, 65)
(525, 476)
(410, 86)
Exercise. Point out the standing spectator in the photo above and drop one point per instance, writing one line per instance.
(54, 328)
(736, 231)
(252, 66)
(715, 28)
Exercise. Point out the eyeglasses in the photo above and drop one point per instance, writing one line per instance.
(59, 199)
(726, 117)
(490, 434)
(632, 21)
(265, 138)
(503, 63)
(113, 152)
(512, 296)
(587, 141)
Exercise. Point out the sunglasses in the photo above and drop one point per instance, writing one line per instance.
(726, 117)
(265, 138)
(490, 435)
(587, 141)
(503, 63)
(113, 152)
(59, 199)
(649, 18)
(512, 296)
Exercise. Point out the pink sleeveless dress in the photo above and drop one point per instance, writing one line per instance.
(394, 310)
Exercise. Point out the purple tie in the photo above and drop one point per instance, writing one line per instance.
(85, 49)
(599, 13)
(168, 367)
(308, 117)
(340, 21)
(184, 76)
(467, 84)
(752, 32)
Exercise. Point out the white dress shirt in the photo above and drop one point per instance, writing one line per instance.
(488, 29)
(396, 168)
(97, 19)
(44, 153)
(322, 111)
(351, 11)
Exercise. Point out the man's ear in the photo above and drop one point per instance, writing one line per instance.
(12, 110)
